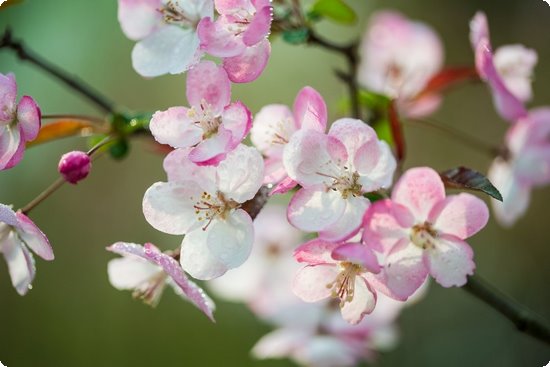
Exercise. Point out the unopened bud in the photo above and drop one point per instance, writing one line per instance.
(74, 166)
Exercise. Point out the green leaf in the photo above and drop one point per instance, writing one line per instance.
(336, 10)
(296, 36)
(383, 130)
(466, 178)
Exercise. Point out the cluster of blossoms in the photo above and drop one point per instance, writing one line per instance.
(374, 242)
(174, 35)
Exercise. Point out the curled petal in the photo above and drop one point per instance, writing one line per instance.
(11, 147)
(479, 28)
(353, 134)
(284, 186)
(450, 261)
(461, 215)
(28, 118)
(419, 189)
(515, 63)
(8, 97)
(249, 64)
(33, 237)
(175, 128)
(130, 271)
(259, 27)
(169, 50)
(311, 282)
(357, 253)
(211, 151)
(310, 110)
(169, 206)
(208, 82)
(20, 263)
(171, 267)
(382, 228)
(237, 119)
(363, 302)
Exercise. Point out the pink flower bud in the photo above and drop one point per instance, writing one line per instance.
(74, 166)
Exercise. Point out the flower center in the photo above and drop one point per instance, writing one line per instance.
(205, 119)
(239, 22)
(423, 235)
(347, 183)
(343, 286)
(210, 207)
(151, 289)
(173, 14)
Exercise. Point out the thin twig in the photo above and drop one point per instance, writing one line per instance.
(70, 80)
(524, 319)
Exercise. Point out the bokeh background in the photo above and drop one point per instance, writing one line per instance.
(73, 317)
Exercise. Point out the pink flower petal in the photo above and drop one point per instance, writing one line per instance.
(516, 195)
(272, 128)
(171, 267)
(310, 110)
(479, 28)
(461, 215)
(33, 237)
(8, 97)
(28, 118)
(197, 259)
(20, 263)
(217, 39)
(208, 82)
(404, 270)
(230, 240)
(382, 228)
(363, 302)
(349, 223)
(228, 7)
(515, 64)
(131, 270)
(310, 283)
(213, 150)
(8, 216)
(450, 261)
(179, 168)
(314, 210)
(237, 119)
(507, 105)
(259, 26)
(381, 175)
(168, 206)
(139, 18)
(241, 174)
(169, 50)
(175, 128)
(353, 134)
(316, 251)
(284, 186)
(357, 253)
(419, 189)
(249, 64)
(11, 147)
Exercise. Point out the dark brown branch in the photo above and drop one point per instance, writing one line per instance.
(524, 319)
(350, 77)
(70, 80)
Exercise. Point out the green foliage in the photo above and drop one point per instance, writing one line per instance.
(336, 10)
(466, 178)
(296, 36)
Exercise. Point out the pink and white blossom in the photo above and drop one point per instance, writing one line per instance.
(508, 72)
(335, 170)
(146, 271)
(19, 122)
(166, 31)
(212, 126)
(337, 270)
(398, 58)
(525, 165)
(18, 236)
(420, 231)
(204, 204)
(275, 124)
(239, 36)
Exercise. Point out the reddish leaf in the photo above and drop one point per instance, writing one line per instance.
(65, 128)
(397, 132)
(447, 78)
(466, 178)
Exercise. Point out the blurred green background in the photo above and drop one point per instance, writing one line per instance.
(73, 317)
